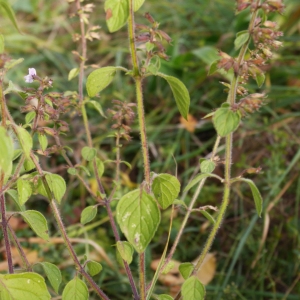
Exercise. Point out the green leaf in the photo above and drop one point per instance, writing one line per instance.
(29, 117)
(207, 54)
(29, 165)
(88, 214)
(164, 297)
(98, 107)
(180, 93)
(99, 79)
(10, 13)
(138, 216)
(53, 273)
(14, 195)
(126, 251)
(255, 193)
(2, 44)
(76, 289)
(213, 67)
(186, 269)
(138, 4)
(23, 286)
(72, 171)
(260, 79)
(37, 222)
(73, 73)
(85, 169)
(25, 140)
(207, 166)
(208, 216)
(43, 141)
(94, 267)
(117, 13)
(100, 166)
(12, 63)
(165, 188)
(193, 289)
(24, 190)
(56, 184)
(226, 121)
(6, 156)
(17, 153)
(168, 268)
(88, 153)
(241, 38)
(180, 202)
(198, 178)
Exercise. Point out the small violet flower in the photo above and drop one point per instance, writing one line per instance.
(30, 77)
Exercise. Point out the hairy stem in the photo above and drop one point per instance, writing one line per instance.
(5, 235)
(189, 210)
(2, 104)
(142, 276)
(64, 235)
(22, 254)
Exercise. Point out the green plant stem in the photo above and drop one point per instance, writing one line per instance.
(2, 104)
(131, 33)
(142, 276)
(142, 124)
(5, 235)
(22, 254)
(189, 210)
(63, 232)
(107, 201)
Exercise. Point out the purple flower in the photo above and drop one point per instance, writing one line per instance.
(30, 77)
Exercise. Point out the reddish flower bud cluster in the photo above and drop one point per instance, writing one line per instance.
(250, 104)
(153, 36)
(123, 115)
(267, 6)
(48, 107)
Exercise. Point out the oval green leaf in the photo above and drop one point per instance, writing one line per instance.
(180, 92)
(256, 195)
(88, 153)
(94, 267)
(241, 38)
(88, 214)
(56, 184)
(164, 297)
(25, 140)
(198, 178)
(7, 152)
(193, 289)
(138, 4)
(138, 216)
(98, 107)
(53, 273)
(37, 222)
(73, 73)
(260, 79)
(165, 188)
(25, 286)
(117, 13)
(207, 166)
(43, 141)
(14, 195)
(126, 251)
(208, 216)
(76, 289)
(186, 269)
(24, 190)
(226, 121)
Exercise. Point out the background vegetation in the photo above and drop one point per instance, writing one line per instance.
(254, 258)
